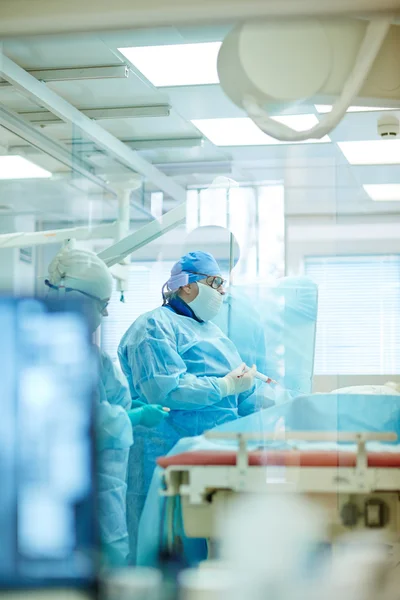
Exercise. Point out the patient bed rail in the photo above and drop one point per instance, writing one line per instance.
(359, 438)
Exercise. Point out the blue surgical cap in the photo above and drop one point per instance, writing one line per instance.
(192, 267)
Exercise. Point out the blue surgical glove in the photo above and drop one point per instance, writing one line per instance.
(148, 415)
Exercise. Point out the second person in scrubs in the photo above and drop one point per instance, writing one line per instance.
(175, 356)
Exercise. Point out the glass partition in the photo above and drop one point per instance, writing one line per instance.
(227, 249)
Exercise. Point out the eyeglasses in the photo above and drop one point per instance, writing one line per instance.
(103, 304)
(214, 281)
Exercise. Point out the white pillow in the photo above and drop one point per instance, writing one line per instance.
(388, 389)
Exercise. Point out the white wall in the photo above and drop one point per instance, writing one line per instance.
(334, 235)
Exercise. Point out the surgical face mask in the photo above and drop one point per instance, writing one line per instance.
(207, 303)
(96, 317)
(96, 309)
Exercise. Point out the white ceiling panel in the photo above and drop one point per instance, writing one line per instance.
(16, 101)
(305, 152)
(202, 102)
(358, 126)
(54, 52)
(317, 176)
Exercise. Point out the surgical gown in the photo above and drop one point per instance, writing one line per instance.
(174, 360)
(114, 438)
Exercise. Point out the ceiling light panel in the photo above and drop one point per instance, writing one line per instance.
(176, 65)
(326, 108)
(383, 192)
(374, 152)
(244, 132)
(17, 167)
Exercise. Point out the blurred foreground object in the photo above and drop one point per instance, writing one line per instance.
(47, 527)
(273, 546)
(131, 583)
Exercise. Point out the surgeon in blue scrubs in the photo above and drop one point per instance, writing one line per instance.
(176, 357)
(238, 317)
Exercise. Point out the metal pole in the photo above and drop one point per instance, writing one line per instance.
(143, 236)
(257, 199)
(231, 265)
(123, 215)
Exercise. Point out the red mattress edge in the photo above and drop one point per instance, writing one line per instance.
(287, 458)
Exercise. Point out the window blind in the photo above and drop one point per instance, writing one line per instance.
(358, 329)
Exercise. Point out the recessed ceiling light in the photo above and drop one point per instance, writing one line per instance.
(17, 167)
(326, 108)
(180, 64)
(374, 152)
(244, 132)
(383, 192)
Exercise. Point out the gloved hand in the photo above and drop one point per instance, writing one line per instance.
(237, 381)
(148, 415)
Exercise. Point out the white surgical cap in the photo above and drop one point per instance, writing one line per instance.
(83, 271)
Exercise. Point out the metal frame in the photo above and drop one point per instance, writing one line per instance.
(192, 142)
(143, 236)
(268, 479)
(14, 123)
(258, 479)
(37, 90)
(44, 117)
(78, 73)
(89, 148)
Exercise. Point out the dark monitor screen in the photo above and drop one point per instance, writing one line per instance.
(48, 374)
